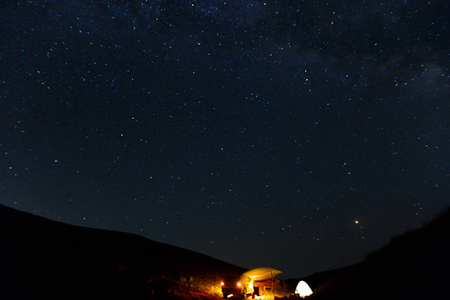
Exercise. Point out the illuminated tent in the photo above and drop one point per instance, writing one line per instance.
(303, 289)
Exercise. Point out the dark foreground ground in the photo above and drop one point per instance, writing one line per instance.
(43, 259)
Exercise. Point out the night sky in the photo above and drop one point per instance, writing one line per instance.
(298, 135)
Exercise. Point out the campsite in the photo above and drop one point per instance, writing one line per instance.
(45, 259)
(262, 283)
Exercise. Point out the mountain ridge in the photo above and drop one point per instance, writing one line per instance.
(54, 259)
(46, 259)
(413, 265)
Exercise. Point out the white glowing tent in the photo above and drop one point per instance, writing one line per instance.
(303, 289)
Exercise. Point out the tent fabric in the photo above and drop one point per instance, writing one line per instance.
(261, 274)
(303, 289)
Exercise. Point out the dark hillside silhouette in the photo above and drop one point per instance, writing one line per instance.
(415, 265)
(44, 259)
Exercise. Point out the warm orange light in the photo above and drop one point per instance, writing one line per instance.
(238, 284)
(222, 283)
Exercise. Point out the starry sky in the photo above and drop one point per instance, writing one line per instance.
(298, 135)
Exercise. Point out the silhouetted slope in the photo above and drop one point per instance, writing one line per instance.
(415, 265)
(44, 259)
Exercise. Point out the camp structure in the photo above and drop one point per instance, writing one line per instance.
(260, 283)
(303, 289)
